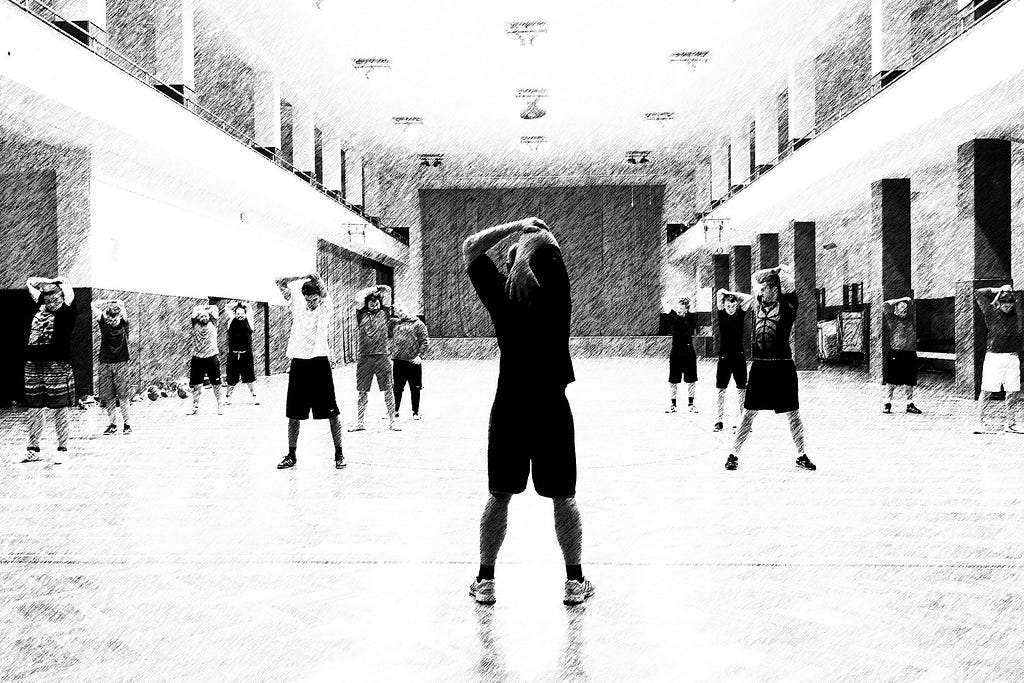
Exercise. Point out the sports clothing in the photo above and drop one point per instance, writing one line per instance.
(201, 368)
(311, 388)
(368, 367)
(900, 368)
(730, 332)
(113, 382)
(411, 374)
(682, 365)
(772, 386)
(239, 335)
(308, 336)
(734, 366)
(1003, 330)
(374, 331)
(49, 336)
(241, 366)
(531, 422)
(49, 384)
(902, 331)
(113, 341)
(772, 325)
(204, 339)
(1001, 372)
(410, 339)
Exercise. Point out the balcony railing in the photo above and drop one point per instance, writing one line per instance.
(80, 32)
(957, 25)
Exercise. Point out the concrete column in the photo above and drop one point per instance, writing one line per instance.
(174, 23)
(720, 175)
(303, 139)
(267, 112)
(889, 270)
(804, 259)
(801, 100)
(983, 218)
(739, 150)
(741, 273)
(720, 267)
(332, 160)
(85, 20)
(883, 65)
(354, 179)
(767, 250)
(702, 178)
(766, 131)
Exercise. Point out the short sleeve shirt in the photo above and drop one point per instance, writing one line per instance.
(49, 337)
(204, 339)
(683, 328)
(902, 331)
(113, 341)
(239, 335)
(308, 337)
(1003, 333)
(730, 332)
(374, 330)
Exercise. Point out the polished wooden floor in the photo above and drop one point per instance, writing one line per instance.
(181, 553)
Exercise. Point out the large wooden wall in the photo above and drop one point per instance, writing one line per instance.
(345, 274)
(612, 238)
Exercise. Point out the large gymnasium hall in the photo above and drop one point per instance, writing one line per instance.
(664, 340)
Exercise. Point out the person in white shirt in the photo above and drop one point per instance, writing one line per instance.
(310, 382)
(205, 354)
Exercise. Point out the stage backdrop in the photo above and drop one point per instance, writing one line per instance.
(611, 235)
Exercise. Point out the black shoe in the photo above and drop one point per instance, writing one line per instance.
(718, 427)
(912, 409)
(887, 408)
(804, 463)
(111, 429)
(732, 462)
(339, 462)
(127, 428)
(289, 461)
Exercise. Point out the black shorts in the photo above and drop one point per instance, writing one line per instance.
(408, 373)
(772, 386)
(531, 428)
(240, 366)
(202, 368)
(311, 388)
(682, 365)
(900, 368)
(734, 367)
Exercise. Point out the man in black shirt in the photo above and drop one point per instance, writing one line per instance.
(49, 380)
(773, 381)
(531, 422)
(732, 361)
(113, 380)
(241, 365)
(1001, 369)
(682, 361)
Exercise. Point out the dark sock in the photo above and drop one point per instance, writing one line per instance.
(291, 452)
(338, 455)
(690, 401)
(486, 572)
(34, 449)
(574, 572)
(673, 402)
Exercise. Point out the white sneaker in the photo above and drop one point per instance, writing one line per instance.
(670, 409)
(32, 456)
(357, 427)
(483, 591)
(60, 457)
(577, 592)
(227, 401)
(416, 416)
(981, 428)
(693, 408)
(395, 427)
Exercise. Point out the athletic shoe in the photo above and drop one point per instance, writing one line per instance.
(693, 408)
(670, 409)
(482, 591)
(718, 427)
(111, 429)
(1013, 429)
(416, 416)
(255, 401)
(732, 462)
(339, 462)
(887, 408)
(981, 429)
(195, 411)
(127, 428)
(62, 453)
(227, 401)
(912, 409)
(32, 455)
(577, 592)
(804, 463)
(357, 427)
(395, 427)
(289, 461)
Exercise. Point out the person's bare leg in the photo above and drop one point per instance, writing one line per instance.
(112, 413)
(1012, 403)
(721, 405)
(796, 428)
(35, 427)
(569, 530)
(197, 391)
(125, 410)
(741, 396)
(216, 395)
(673, 391)
(744, 431)
(336, 435)
(983, 397)
(361, 403)
(389, 401)
(293, 435)
(493, 525)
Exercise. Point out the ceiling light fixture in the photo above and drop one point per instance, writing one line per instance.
(532, 143)
(526, 31)
(532, 110)
(692, 58)
(637, 156)
(410, 125)
(659, 117)
(368, 64)
(431, 160)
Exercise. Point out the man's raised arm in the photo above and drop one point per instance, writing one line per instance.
(478, 244)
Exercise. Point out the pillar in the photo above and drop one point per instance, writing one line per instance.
(702, 178)
(889, 270)
(801, 101)
(739, 151)
(983, 219)
(767, 250)
(174, 25)
(766, 132)
(303, 141)
(805, 329)
(883, 65)
(332, 162)
(267, 112)
(720, 175)
(720, 268)
(84, 20)
(354, 179)
(741, 272)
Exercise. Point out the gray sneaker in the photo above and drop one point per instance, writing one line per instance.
(576, 592)
(483, 591)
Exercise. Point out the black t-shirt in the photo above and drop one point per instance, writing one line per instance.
(683, 328)
(239, 335)
(113, 341)
(50, 334)
(730, 332)
(534, 337)
(773, 325)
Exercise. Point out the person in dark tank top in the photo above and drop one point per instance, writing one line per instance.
(241, 364)
(113, 385)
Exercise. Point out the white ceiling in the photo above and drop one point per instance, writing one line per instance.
(604, 64)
